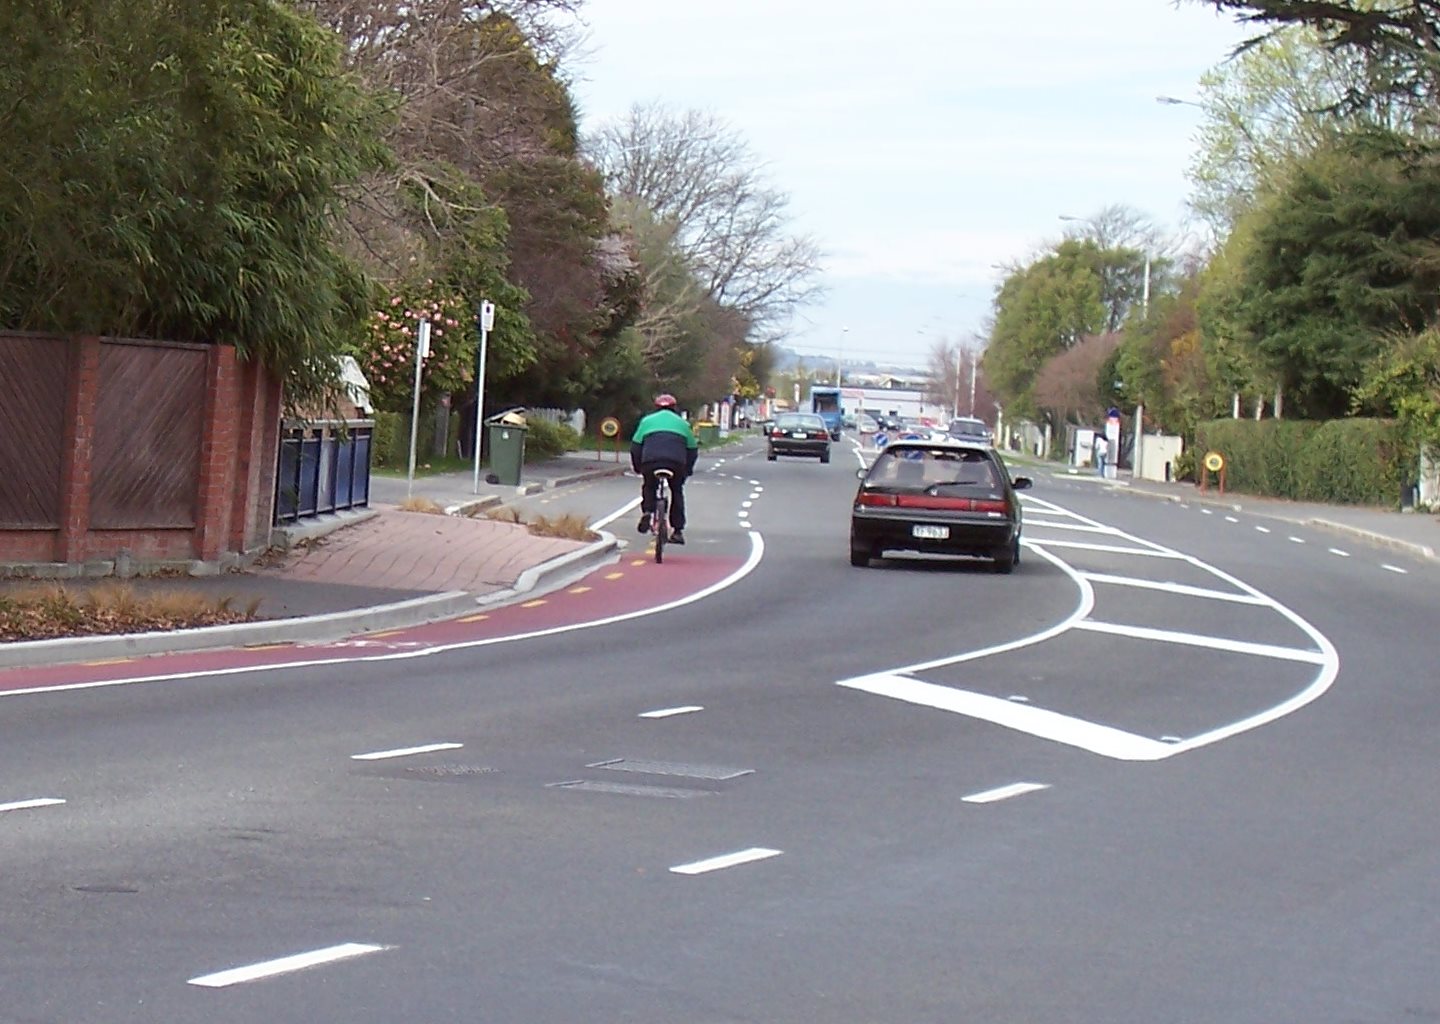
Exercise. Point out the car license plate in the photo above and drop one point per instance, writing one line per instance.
(799, 433)
(926, 532)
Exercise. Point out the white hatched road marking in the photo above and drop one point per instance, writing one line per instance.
(1041, 524)
(1142, 552)
(381, 755)
(899, 684)
(990, 796)
(25, 805)
(728, 860)
(1216, 643)
(1176, 588)
(285, 965)
(670, 712)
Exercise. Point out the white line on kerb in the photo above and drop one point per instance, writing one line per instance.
(429, 748)
(1004, 792)
(25, 805)
(668, 712)
(285, 965)
(728, 860)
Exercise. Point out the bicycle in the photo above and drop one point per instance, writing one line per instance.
(660, 518)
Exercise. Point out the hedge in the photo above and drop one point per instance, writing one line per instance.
(390, 442)
(1351, 461)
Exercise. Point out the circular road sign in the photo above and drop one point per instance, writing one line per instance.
(1214, 461)
(610, 426)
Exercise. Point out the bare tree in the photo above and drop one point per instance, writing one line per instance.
(955, 378)
(1068, 385)
(731, 225)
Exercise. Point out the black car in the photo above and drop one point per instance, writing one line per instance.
(970, 428)
(798, 433)
(938, 497)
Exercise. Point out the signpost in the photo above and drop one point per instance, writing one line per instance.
(486, 322)
(609, 431)
(422, 352)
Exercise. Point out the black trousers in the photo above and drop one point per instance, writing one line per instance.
(677, 497)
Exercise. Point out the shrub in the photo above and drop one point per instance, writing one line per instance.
(1350, 461)
(545, 440)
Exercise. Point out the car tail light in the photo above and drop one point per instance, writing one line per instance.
(776, 432)
(930, 501)
(999, 506)
(878, 500)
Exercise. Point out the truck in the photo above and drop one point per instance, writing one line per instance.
(825, 400)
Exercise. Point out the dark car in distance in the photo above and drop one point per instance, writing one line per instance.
(944, 497)
(970, 428)
(798, 433)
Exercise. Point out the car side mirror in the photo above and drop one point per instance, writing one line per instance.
(860, 474)
(1022, 483)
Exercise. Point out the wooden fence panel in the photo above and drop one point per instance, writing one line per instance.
(148, 426)
(34, 376)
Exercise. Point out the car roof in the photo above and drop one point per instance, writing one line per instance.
(942, 443)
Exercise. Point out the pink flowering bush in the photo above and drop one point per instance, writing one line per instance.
(388, 356)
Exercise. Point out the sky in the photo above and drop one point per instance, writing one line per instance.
(927, 143)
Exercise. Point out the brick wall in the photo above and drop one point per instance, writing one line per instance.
(167, 451)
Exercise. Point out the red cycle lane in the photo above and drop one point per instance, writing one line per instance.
(633, 586)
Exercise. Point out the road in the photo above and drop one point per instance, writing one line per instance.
(1174, 768)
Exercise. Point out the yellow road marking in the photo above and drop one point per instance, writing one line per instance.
(533, 604)
(108, 661)
(578, 590)
(475, 618)
(388, 632)
(641, 561)
(613, 575)
(268, 647)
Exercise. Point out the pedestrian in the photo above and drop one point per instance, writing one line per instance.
(1102, 447)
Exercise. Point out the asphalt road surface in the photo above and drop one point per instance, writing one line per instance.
(1179, 767)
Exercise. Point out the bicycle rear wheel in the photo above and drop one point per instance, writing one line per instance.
(661, 520)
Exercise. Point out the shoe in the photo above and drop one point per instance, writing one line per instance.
(644, 525)
(677, 537)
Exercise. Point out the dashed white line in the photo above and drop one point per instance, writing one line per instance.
(1337, 551)
(1395, 568)
(285, 965)
(1231, 519)
(1262, 529)
(668, 712)
(25, 805)
(990, 796)
(728, 860)
(380, 755)
(747, 504)
(1206, 512)
(1297, 540)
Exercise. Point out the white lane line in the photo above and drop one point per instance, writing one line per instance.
(1206, 512)
(990, 796)
(1049, 725)
(1231, 519)
(380, 755)
(1395, 568)
(758, 488)
(1296, 540)
(728, 860)
(747, 504)
(1143, 552)
(668, 712)
(1175, 588)
(25, 805)
(285, 965)
(1214, 643)
(1342, 554)
(753, 483)
(1262, 529)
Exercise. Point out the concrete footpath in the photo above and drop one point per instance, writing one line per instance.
(373, 569)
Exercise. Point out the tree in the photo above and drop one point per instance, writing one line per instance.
(1343, 255)
(1396, 43)
(1041, 310)
(175, 172)
(1077, 385)
(730, 225)
(953, 375)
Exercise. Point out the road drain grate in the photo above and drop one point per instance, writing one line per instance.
(451, 771)
(708, 772)
(624, 790)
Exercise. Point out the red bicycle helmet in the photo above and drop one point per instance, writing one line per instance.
(665, 401)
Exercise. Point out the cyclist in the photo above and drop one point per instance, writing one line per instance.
(663, 440)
